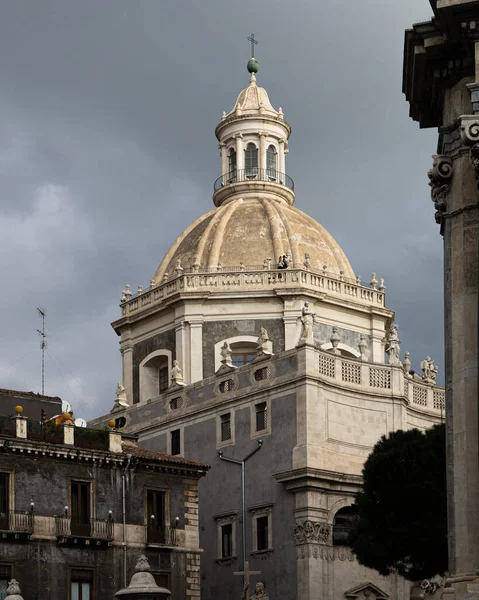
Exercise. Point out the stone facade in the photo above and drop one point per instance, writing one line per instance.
(324, 414)
(441, 83)
(49, 544)
(282, 351)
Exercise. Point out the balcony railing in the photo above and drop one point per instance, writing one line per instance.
(254, 174)
(16, 521)
(96, 529)
(164, 536)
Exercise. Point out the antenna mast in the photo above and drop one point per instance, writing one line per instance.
(43, 345)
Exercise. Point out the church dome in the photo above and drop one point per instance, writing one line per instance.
(245, 232)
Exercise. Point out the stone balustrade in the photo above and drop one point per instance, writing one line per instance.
(254, 280)
(373, 377)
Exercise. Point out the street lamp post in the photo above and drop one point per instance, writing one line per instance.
(243, 489)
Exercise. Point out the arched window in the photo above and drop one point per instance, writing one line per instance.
(154, 374)
(342, 523)
(251, 161)
(271, 162)
(231, 165)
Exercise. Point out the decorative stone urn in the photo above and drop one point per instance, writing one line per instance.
(142, 585)
(13, 591)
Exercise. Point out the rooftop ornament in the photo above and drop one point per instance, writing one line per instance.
(143, 585)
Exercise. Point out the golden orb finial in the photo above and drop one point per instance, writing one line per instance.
(18, 410)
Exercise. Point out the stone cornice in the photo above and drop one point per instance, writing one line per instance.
(437, 54)
(307, 478)
(101, 458)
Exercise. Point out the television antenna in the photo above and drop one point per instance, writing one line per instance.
(43, 345)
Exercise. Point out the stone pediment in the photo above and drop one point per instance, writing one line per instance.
(366, 590)
(225, 369)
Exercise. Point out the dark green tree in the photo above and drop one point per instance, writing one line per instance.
(402, 520)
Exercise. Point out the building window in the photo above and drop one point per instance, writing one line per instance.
(232, 165)
(342, 524)
(5, 577)
(262, 528)
(4, 500)
(262, 374)
(81, 585)
(251, 161)
(262, 533)
(227, 540)
(238, 359)
(156, 515)
(271, 162)
(175, 442)
(163, 379)
(261, 416)
(226, 386)
(225, 427)
(226, 524)
(80, 505)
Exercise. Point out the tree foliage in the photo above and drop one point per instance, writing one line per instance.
(402, 520)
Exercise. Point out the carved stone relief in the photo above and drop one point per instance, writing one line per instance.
(470, 138)
(439, 177)
(324, 552)
(312, 532)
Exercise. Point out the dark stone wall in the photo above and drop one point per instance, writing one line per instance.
(323, 332)
(222, 330)
(221, 493)
(43, 566)
(165, 340)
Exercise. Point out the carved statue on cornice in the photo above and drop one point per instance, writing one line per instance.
(308, 318)
(225, 354)
(393, 347)
(439, 177)
(429, 370)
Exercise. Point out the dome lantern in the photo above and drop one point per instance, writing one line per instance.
(253, 139)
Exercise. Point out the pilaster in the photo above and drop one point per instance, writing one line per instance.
(182, 355)
(126, 351)
(196, 350)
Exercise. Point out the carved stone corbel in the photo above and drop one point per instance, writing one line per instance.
(470, 138)
(439, 177)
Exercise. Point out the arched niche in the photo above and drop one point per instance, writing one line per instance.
(155, 372)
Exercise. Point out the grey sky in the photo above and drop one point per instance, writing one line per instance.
(107, 152)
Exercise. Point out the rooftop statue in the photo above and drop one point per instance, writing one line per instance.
(393, 347)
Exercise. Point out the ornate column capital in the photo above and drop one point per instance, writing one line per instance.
(469, 125)
(312, 532)
(439, 181)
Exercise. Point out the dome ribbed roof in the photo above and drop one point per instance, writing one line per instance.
(248, 231)
(253, 99)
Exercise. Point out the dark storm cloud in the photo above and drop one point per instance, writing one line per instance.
(107, 153)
